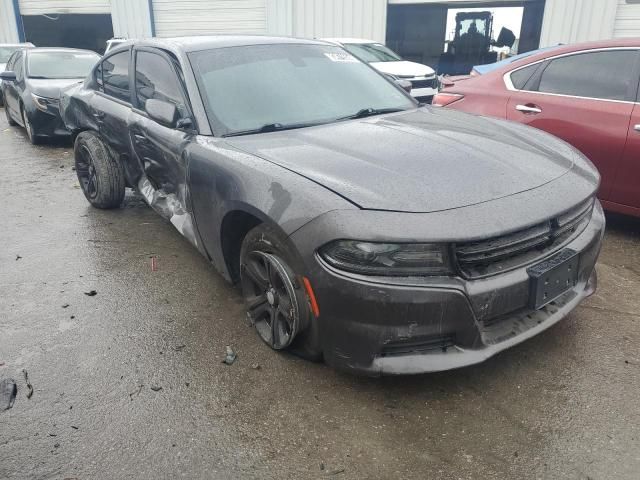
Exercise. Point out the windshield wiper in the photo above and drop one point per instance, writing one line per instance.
(369, 112)
(271, 127)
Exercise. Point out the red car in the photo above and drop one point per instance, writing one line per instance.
(586, 94)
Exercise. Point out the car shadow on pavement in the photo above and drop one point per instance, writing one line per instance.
(623, 224)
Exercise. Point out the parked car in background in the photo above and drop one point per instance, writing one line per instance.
(379, 236)
(490, 67)
(424, 81)
(32, 84)
(586, 94)
(115, 42)
(6, 50)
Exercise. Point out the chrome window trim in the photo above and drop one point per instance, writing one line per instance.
(509, 84)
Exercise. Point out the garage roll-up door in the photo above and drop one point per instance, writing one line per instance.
(197, 17)
(38, 7)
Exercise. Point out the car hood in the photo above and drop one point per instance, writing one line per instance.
(423, 160)
(403, 69)
(51, 88)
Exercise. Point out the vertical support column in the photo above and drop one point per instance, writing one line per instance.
(18, 21)
(152, 19)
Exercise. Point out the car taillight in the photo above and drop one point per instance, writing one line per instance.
(443, 99)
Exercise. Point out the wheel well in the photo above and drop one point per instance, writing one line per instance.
(75, 133)
(235, 227)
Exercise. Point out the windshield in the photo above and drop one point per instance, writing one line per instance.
(248, 87)
(61, 64)
(372, 52)
(5, 53)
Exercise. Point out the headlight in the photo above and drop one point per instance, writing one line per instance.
(43, 103)
(397, 259)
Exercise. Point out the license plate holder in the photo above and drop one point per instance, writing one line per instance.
(553, 277)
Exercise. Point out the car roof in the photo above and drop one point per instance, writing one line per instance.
(489, 67)
(348, 40)
(24, 44)
(573, 48)
(59, 49)
(208, 42)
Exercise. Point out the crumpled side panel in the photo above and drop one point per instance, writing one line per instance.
(75, 108)
(172, 207)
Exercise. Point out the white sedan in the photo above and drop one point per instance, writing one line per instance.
(424, 81)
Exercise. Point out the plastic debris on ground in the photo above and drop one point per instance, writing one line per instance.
(8, 392)
(230, 357)
(29, 386)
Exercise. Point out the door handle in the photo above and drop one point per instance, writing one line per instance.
(99, 115)
(528, 109)
(140, 138)
(637, 127)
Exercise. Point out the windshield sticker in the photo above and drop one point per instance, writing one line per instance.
(341, 57)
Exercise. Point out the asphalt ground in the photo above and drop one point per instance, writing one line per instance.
(129, 382)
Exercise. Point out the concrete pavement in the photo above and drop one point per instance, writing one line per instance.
(129, 383)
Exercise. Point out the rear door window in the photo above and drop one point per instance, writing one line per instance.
(520, 77)
(155, 78)
(115, 76)
(607, 75)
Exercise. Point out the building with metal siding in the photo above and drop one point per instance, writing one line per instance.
(8, 24)
(40, 7)
(627, 19)
(564, 21)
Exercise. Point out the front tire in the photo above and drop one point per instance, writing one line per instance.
(277, 304)
(100, 174)
(10, 120)
(31, 132)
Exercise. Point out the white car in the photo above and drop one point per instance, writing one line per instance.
(6, 50)
(424, 81)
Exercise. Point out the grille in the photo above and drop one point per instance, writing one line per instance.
(427, 83)
(418, 345)
(499, 254)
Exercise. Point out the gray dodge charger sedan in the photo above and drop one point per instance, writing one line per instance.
(365, 230)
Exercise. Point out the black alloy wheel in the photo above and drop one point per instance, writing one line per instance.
(86, 171)
(270, 296)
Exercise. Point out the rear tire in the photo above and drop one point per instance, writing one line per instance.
(100, 175)
(272, 288)
(10, 120)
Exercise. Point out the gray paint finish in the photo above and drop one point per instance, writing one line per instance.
(422, 175)
(420, 161)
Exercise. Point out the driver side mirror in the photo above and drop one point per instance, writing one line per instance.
(8, 76)
(165, 113)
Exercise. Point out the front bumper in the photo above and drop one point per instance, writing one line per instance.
(424, 93)
(385, 326)
(48, 124)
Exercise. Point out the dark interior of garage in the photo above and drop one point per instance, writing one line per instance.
(89, 31)
(418, 32)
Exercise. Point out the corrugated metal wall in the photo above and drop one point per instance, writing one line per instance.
(38, 7)
(131, 18)
(627, 22)
(570, 21)
(8, 29)
(340, 18)
(194, 17)
(279, 17)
